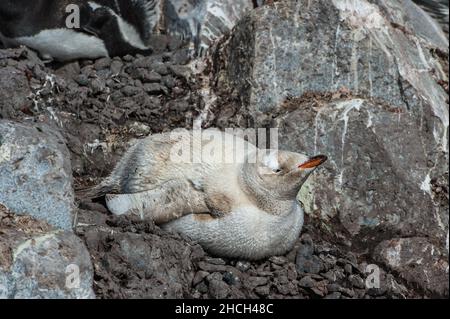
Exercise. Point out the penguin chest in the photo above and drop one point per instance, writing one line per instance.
(243, 233)
(64, 44)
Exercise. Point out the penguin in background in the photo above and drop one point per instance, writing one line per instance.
(106, 28)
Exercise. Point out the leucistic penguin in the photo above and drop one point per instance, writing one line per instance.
(74, 29)
(239, 207)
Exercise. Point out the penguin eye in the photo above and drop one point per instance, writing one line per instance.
(277, 170)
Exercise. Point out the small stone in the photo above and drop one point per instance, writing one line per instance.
(307, 282)
(96, 86)
(253, 282)
(160, 68)
(202, 287)
(215, 261)
(181, 71)
(356, 281)
(150, 77)
(130, 90)
(82, 80)
(308, 263)
(116, 66)
(262, 291)
(348, 269)
(278, 260)
(102, 64)
(128, 58)
(320, 289)
(229, 278)
(154, 88)
(333, 295)
(347, 291)
(218, 289)
(243, 266)
(168, 81)
(199, 276)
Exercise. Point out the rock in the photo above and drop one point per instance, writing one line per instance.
(356, 281)
(215, 261)
(230, 278)
(278, 260)
(333, 295)
(154, 88)
(36, 174)
(116, 66)
(39, 262)
(82, 79)
(243, 265)
(181, 71)
(306, 262)
(262, 291)
(152, 265)
(418, 262)
(160, 68)
(199, 276)
(202, 22)
(356, 95)
(15, 89)
(334, 275)
(307, 282)
(253, 282)
(102, 64)
(130, 90)
(419, 22)
(320, 288)
(218, 289)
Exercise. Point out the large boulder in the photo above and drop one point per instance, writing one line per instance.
(201, 21)
(38, 261)
(35, 173)
(362, 84)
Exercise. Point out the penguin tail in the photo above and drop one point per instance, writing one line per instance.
(95, 191)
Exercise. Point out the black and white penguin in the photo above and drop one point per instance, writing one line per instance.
(106, 27)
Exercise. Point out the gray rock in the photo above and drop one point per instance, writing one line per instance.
(218, 289)
(15, 90)
(252, 282)
(36, 174)
(102, 64)
(116, 66)
(130, 90)
(154, 88)
(307, 282)
(306, 262)
(418, 261)
(368, 92)
(37, 261)
(202, 22)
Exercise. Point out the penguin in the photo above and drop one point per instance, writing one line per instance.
(243, 206)
(106, 27)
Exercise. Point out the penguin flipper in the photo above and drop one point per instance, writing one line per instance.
(162, 204)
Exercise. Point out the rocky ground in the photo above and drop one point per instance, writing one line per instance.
(90, 111)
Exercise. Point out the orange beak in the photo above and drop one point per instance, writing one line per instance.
(313, 162)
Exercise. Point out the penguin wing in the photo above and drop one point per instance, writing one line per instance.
(162, 204)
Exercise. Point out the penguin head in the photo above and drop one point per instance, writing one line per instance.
(283, 173)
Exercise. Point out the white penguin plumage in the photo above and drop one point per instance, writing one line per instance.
(233, 208)
(107, 27)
